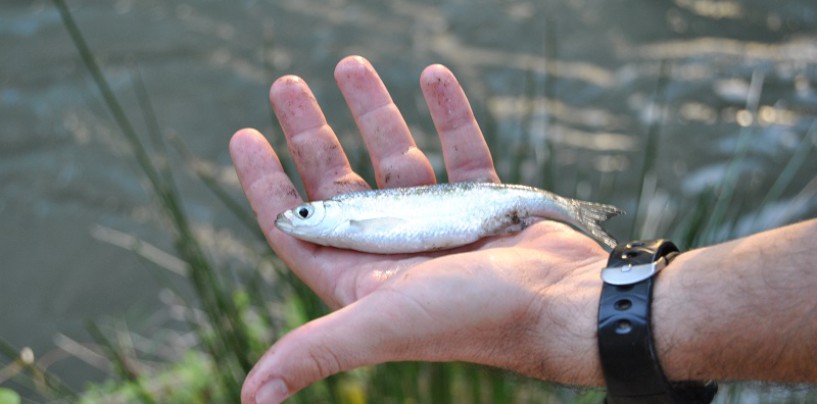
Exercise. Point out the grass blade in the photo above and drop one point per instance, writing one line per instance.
(121, 363)
(53, 385)
(647, 173)
(726, 190)
(798, 160)
(236, 208)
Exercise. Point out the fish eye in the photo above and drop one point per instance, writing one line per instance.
(304, 211)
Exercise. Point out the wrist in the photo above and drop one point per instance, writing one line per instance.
(565, 341)
(630, 358)
(676, 310)
(702, 316)
(741, 310)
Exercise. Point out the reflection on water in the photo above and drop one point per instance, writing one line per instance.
(573, 88)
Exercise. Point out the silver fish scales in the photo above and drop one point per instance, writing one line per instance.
(436, 217)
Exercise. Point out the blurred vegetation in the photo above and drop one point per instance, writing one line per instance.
(236, 313)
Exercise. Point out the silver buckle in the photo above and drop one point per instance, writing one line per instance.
(632, 274)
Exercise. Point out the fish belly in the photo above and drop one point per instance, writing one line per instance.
(416, 223)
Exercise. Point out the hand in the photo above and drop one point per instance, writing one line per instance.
(525, 302)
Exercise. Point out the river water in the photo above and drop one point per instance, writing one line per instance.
(573, 89)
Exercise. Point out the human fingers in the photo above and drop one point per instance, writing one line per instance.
(467, 157)
(395, 157)
(317, 153)
(270, 191)
(268, 188)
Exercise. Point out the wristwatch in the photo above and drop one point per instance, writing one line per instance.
(629, 360)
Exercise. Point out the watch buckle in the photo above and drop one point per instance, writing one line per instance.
(631, 274)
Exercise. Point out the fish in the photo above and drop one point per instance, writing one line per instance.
(436, 217)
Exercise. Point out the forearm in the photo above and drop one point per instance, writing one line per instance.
(746, 309)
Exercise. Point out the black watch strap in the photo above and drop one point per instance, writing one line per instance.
(626, 345)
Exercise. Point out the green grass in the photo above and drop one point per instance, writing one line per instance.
(238, 323)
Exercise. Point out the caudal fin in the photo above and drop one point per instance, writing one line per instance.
(591, 215)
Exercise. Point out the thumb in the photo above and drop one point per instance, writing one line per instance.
(375, 329)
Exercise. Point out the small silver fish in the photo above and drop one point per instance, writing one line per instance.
(436, 217)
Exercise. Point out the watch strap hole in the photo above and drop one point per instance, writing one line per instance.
(623, 304)
(623, 327)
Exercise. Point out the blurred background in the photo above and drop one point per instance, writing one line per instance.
(698, 117)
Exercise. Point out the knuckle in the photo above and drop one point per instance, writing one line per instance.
(324, 361)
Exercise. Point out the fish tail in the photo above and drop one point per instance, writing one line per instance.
(590, 215)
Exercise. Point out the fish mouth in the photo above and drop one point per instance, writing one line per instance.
(283, 223)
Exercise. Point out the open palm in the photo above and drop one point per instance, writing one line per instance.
(492, 302)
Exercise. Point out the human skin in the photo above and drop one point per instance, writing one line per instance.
(525, 302)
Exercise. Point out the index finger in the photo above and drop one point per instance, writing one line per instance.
(270, 191)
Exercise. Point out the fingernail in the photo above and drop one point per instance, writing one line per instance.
(273, 392)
